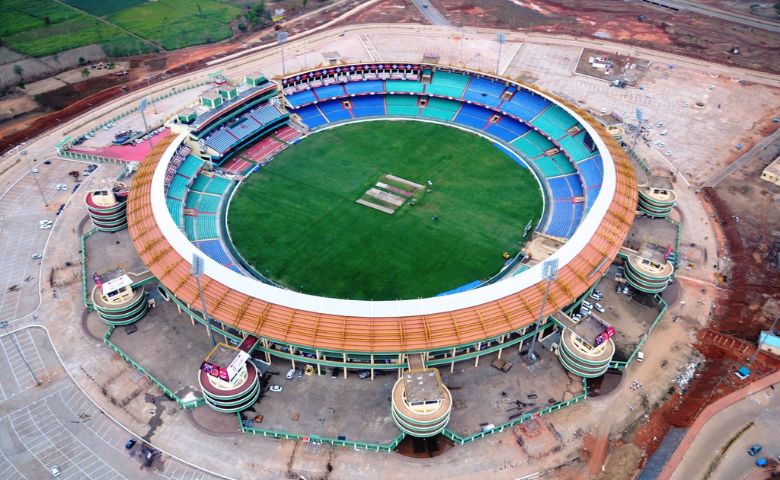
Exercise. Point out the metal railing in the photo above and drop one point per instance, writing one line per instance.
(523, 418)
(84, 282)
(367, 446)
(185, 404)
(619, 364)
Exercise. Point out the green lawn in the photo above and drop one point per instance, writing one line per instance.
(178, 23)
(297, 222)
(45, 27)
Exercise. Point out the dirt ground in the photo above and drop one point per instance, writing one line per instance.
(633, 23)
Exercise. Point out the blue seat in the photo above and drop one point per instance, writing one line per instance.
(311, 116)
(473, 116)
(300, 98)
(373, 106)
(265, 114)
(334, 111)
(330, 91)
(525, 105)
(575, 184)
(221, 141)
(486, 92)
(560, 189)
(367, 86)
(213, 248)
(507, 129)
(245, 128)
(561, 220)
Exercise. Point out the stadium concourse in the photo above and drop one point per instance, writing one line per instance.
(588, 182)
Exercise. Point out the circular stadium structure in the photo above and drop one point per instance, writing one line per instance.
(590, 201)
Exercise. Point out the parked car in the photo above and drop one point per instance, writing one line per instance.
(276, 388)
(290, 374)
(130, 443)
(600, 307)
(36, 256)
(587, 304)
(55, 471)
(752, 451)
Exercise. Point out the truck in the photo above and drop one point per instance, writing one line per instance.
(502, 365)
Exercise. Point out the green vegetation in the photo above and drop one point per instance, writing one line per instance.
(45, 27)
(297, 221)
(178, 23)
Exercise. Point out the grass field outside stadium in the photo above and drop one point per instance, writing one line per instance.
(297, 221)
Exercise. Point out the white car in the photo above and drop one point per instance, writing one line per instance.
(668, 153)
(36, 256)
(276, 388)
(55, 471)
(600, 308)
(35, 170)
(290, 374)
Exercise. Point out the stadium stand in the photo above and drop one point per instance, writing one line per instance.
(262, 150)
(525, 105)
(189, 227)
(354, 88)
(311, 116)
(209, 203)
(560, 220)
(402, 105)
(221, 141)
(287, 134)
(533, 144)
(265, 114)
(193, 199)
(564, 165)
(178, 187)
(441, 109)
(473, 116)
(190, 166)
(206, 226)
(213, 248)
(244, 127)
(403, 86)
(174, 207)
(447, 84)
(330, 91)
(575, 146)
(301, 98)
(554, 121)
(371, 106)
(334, 111)
(236, 165)
(507, 129)
(486, 92)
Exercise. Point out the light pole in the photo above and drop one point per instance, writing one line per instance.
(500, 38)
(281, 37)
(197, 272)
(549, 273)
(35, 176)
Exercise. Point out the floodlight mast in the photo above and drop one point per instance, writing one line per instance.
(549, 273)
(500, 38)
(197, 272)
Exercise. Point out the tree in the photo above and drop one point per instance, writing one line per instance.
(47, 20)
(85, 72)
(18, 70)
(82, 60)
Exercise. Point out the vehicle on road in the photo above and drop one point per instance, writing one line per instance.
(36, 256)
(752, 451)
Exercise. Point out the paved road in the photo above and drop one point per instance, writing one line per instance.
(431, 13)
(746, 157)
(744, 19)
(762, 408)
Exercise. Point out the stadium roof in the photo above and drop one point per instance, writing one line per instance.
(384, 326)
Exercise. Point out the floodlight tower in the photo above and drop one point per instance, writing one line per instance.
(500, 38)
(34, 174)
(549, 273)
(281, 38)
(197, 272)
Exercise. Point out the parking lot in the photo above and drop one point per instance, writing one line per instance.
(21, 210)
(46, 421)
